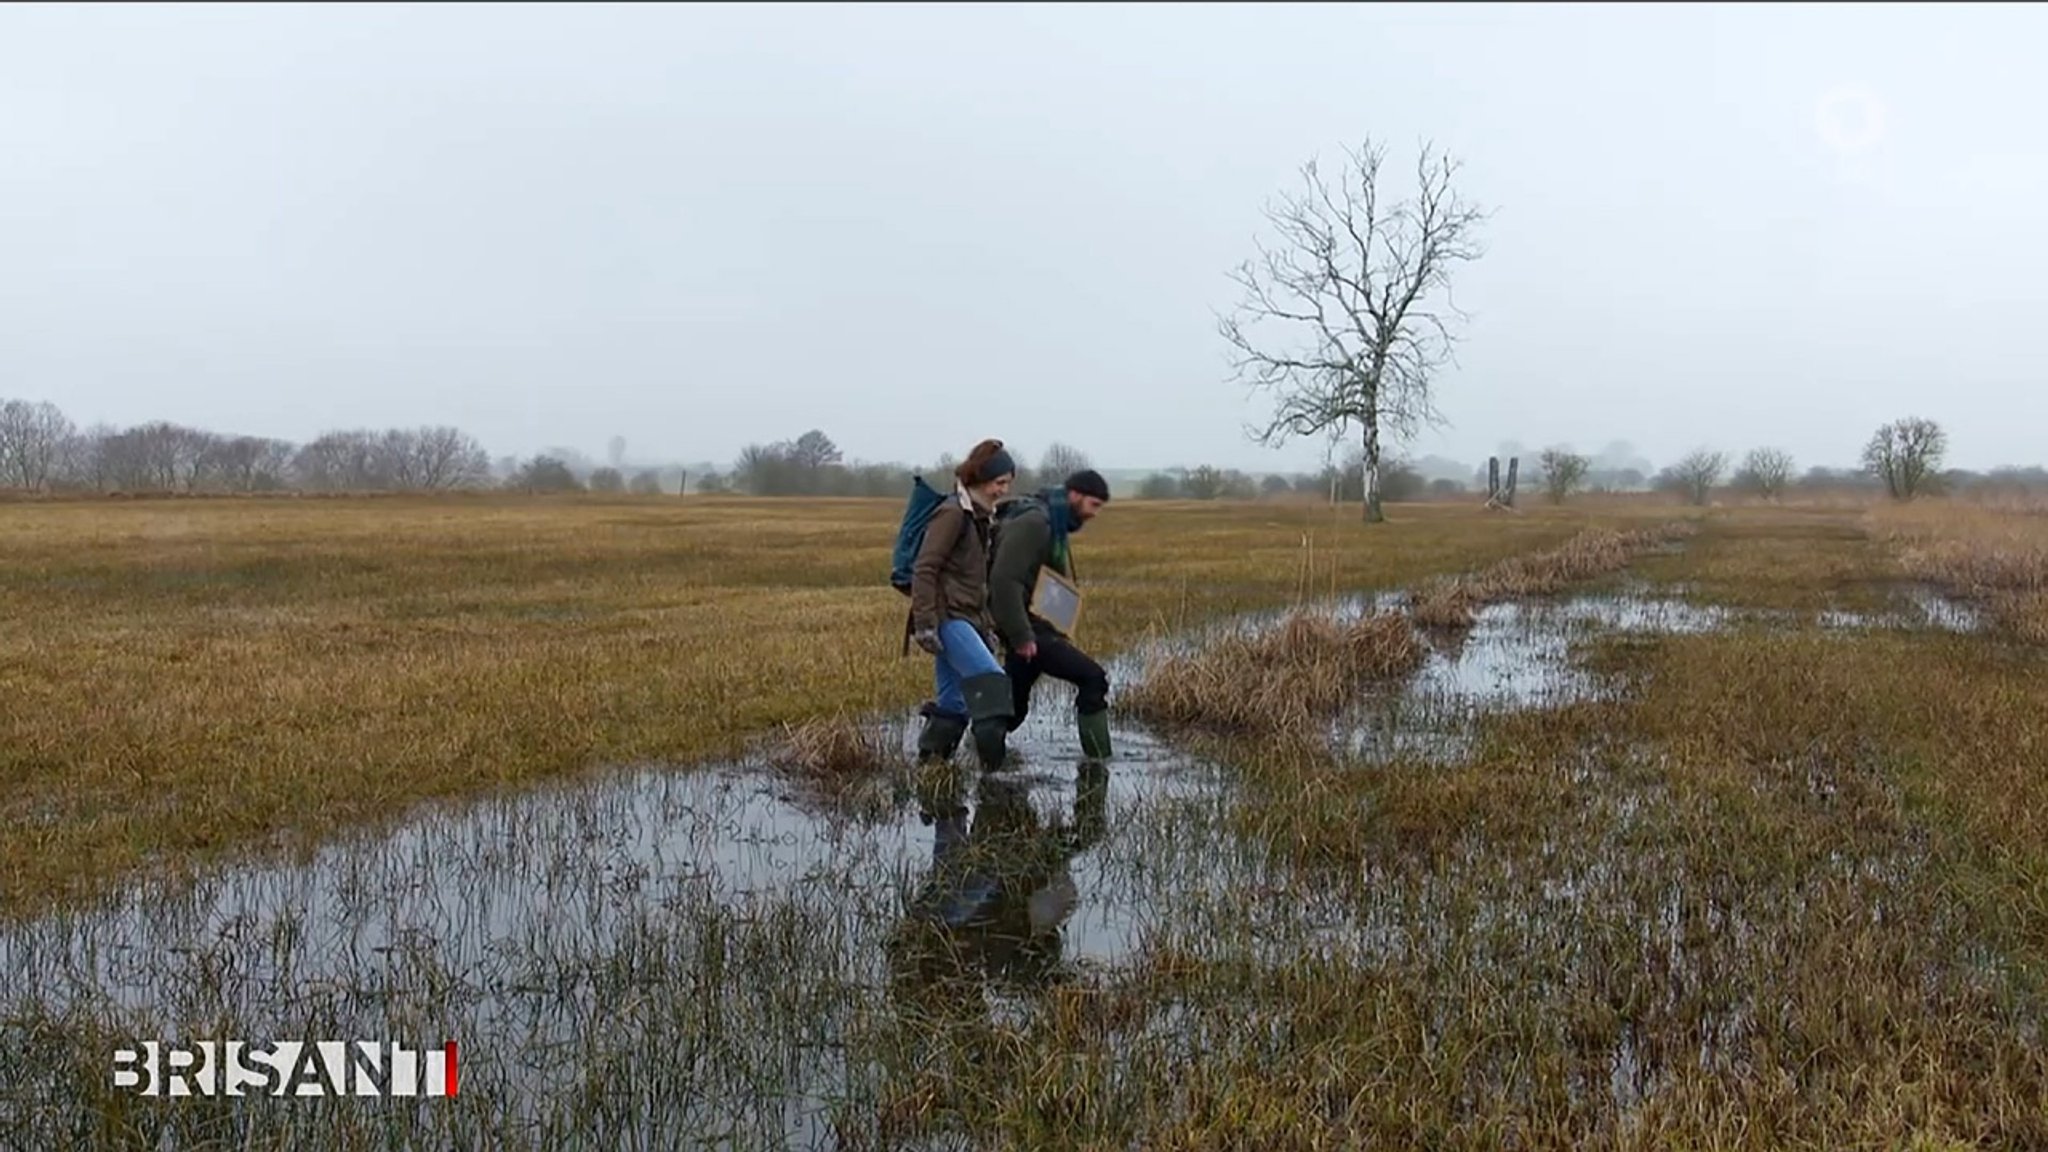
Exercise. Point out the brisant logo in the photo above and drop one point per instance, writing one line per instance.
(286, 1068)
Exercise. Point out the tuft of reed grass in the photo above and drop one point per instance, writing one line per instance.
(1455, 601)
(1285, 679)
(831, 749)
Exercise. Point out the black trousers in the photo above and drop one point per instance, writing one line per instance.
(1059, 659)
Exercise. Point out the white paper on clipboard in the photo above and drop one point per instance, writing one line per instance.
(1056, 601)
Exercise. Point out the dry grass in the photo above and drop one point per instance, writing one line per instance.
(1994, 554)
(1452, 603)
(1787, 887)
(191, 677)
(833, 748)
(1290, 677)
(1285, 679)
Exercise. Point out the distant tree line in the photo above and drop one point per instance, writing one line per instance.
(42, 450)
(1902, 459)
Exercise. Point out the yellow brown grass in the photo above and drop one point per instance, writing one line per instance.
(1994, 554)
(190, 677)
(1453, 602)
(831, 748)
(1786, 887)
(1286, 678)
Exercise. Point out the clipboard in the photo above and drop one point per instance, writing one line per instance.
(1056, 600)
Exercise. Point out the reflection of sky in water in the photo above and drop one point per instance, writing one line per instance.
(562, 870)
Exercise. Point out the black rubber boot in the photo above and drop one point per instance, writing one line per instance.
(988, 711)
(941, 735)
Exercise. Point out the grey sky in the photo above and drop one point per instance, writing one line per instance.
(914, 226)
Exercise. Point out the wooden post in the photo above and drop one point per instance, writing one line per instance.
(1498, 495)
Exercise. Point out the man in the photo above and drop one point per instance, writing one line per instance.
(1031, 533)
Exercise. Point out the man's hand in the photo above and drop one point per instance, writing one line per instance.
(927, 639)
(1028, 652)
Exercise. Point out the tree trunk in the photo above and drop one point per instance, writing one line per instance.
(1373, 513)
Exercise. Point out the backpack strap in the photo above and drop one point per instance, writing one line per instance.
(910, 612)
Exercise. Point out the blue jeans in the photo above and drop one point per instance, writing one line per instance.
(962, 654)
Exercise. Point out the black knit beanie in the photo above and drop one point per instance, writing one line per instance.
(1089, 482)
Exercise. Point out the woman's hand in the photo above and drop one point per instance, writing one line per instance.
(927, 639)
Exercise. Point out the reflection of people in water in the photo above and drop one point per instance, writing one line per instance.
(1000, 890)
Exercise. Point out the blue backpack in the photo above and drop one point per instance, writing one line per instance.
(917, 515)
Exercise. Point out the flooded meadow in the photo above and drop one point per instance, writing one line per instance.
(1613, 866)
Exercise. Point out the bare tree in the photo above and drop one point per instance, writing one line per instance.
(1766, 472)
(1563, 472)
(814, 450)
(157, 456)
(192, 454)
(397, 460)
(32, 436)
(1061, 461)
(1351, 295)
(123, 461)
(248, 463)
(443, 457)
(85, 458)
(646, 482)
(607, 480)
(349, 461)
(1906, 455)
(1203, 482)
(1696, 474)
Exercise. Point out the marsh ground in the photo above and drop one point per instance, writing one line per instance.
(1729, 836)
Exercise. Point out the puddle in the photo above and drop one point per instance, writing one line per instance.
(1517, 655)
(521, 925)
(468, 881)
(1938, 610)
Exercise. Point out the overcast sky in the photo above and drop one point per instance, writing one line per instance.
(915, 226)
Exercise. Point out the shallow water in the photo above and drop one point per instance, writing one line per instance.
(523, 924)
(466, 879)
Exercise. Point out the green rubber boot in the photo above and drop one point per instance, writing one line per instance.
(988, 710)
(1094, 734)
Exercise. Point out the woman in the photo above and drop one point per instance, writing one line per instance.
(949, 615)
